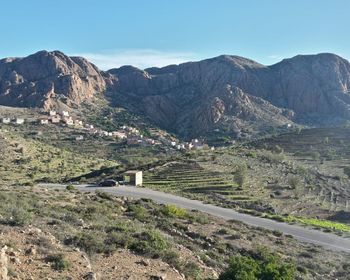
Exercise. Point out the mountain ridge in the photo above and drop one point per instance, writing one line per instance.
(227, 93)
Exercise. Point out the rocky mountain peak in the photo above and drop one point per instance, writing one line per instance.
(39, 79)
(237, 61)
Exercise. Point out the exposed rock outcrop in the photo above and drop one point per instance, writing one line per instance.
(3, 264)
(41, 79)
(229, 92)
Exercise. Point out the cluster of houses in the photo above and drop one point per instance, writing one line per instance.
(124, 132)
(7, 120)
(131, 135)
(63, 117)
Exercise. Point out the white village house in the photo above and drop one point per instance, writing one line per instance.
(44, 121)
(6, 120)
(79, 138)
(65, 113)
(68, 121)
(56, 119)
(19, 121)
(78, 123)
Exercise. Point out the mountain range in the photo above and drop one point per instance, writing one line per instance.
(231, 94)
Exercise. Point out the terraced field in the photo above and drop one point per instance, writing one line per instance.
(193, 180)
(329, 143)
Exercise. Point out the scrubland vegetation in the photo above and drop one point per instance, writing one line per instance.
(283, 178)
(200, 246)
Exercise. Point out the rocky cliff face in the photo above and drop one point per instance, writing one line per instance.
(39, 80)
(228, 93)
(232, 92)
(317, 85)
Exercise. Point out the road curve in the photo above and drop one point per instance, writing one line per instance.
(327, 240)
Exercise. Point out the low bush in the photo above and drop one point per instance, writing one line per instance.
(174, 211)
(58, 262)
(139, 212)
(90, 242)
(104, 195)
(149, 242)
(70, 188)
(240, 176)
(18, 216)
(266, 266)
(271, 157)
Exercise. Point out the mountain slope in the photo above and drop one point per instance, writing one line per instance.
(44, 77)
(231, 94)
(313, 84)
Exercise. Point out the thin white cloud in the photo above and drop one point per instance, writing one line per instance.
(139, 58)
(275, 56)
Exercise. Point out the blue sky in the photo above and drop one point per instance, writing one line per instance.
(159, 32)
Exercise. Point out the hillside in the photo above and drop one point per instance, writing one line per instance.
(237, 95)
(69, 234)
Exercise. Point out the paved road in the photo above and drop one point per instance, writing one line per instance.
(327, 240)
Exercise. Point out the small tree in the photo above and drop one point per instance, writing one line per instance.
(295, 183)
(347, 171)
(240, 176)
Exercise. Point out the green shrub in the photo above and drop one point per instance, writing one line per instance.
(252, 154)
(172, 258)
(139, 212)
(191, 270)
(241, 268)
(149, 242)
(266, 266)
(70, 188)
(272, 157)
(294, 182)
(278, 149)
(18, 216)
(104, 195)
(174, 211)
(58, 262)
(347, 171)
(116, 240)
(91, 242)
(240, 175)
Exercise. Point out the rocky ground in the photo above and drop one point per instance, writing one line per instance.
(73, 235)
(26, 257)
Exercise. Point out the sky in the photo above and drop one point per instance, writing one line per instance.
(146, 33)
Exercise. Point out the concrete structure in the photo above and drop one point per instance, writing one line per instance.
(6, 120)
(119, 134)
(44, 121)
(78, 123)
(19, 121)
(52, 113)
(89, 126)
(133, 177)
(65, 113)
(56, 119)
(68, 121)
(134, 141)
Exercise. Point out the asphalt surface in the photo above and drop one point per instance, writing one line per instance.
(327, 240)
